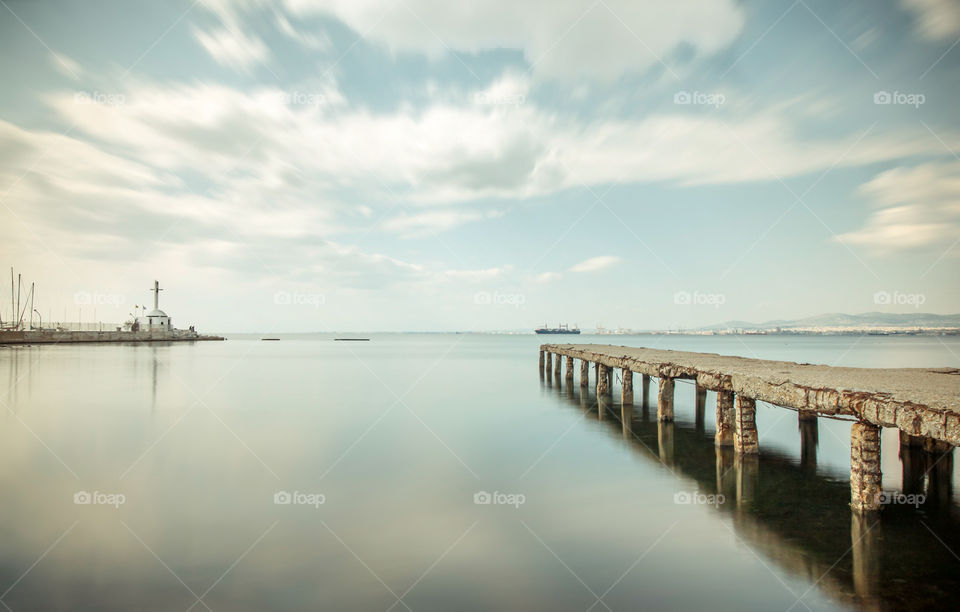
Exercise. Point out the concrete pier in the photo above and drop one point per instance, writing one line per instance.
(665, 400)
(922, 403)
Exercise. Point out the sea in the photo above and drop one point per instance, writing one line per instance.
(444, 472)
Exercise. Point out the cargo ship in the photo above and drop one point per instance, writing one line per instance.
(560, 329)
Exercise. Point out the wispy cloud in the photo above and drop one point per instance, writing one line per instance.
(596, 263)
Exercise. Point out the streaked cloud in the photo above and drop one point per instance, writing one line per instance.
(595, 264)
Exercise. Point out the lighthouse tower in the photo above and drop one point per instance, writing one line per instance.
(156, 319)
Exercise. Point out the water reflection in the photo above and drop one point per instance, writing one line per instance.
(801, 520)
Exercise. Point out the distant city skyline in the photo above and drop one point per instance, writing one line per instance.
(310, 165)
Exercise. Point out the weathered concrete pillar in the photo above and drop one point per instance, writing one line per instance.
(913, 469)
(547, 361)
(865, 476)
(745, 439)
(541, 361)
(626, 388)
(558, 366)
(645, 390)
(584, 373)
(665, 400)
(939, 474)
(910, 441)
(865, 532)
(665, 442)
(726, 418)
(603, 380)
(569, 368)
(809, 439)
(701, 403)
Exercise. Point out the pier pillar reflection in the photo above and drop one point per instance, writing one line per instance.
(603, 405)
(645, 391)
(665, 442)
(809, 440)
(865, 476)
(865, 533)
(748, 476)
(665, 399)
(726, 473)
(725, 418)
(626, 419)
(745, 440)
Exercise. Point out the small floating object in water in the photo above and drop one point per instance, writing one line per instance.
(272, 339)
(351, 339)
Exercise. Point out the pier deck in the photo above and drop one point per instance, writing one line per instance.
(76, 337)
(923, 403)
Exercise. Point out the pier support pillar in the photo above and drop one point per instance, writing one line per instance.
(548, 357)
(939, 473)
(584, 373)
(558, 367)
(569, 368)
(541, 361)
(603, 380)
(645, 390)
(726, 418)
(865, 476)
(745, 440)
(626, 389)
(665, 400)
(809, 440)
(910, 441)
(701, 404)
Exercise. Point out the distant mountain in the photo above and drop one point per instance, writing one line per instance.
(839, 319)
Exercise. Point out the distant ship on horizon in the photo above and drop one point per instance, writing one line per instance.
(560, 329)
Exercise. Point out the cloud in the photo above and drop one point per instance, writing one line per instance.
(919, 207)
(937, 20)
(596, 263)
(434, 221)
(233, 48)
(546, 277)
(562, 39)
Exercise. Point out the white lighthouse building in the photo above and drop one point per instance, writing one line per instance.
(156, 320)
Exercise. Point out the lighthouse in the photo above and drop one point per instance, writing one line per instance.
(156, 319)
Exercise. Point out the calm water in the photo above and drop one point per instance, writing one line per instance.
(396, 437)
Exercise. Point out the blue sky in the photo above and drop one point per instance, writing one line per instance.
(415, 165)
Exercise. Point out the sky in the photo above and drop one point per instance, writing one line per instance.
(392, 165)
